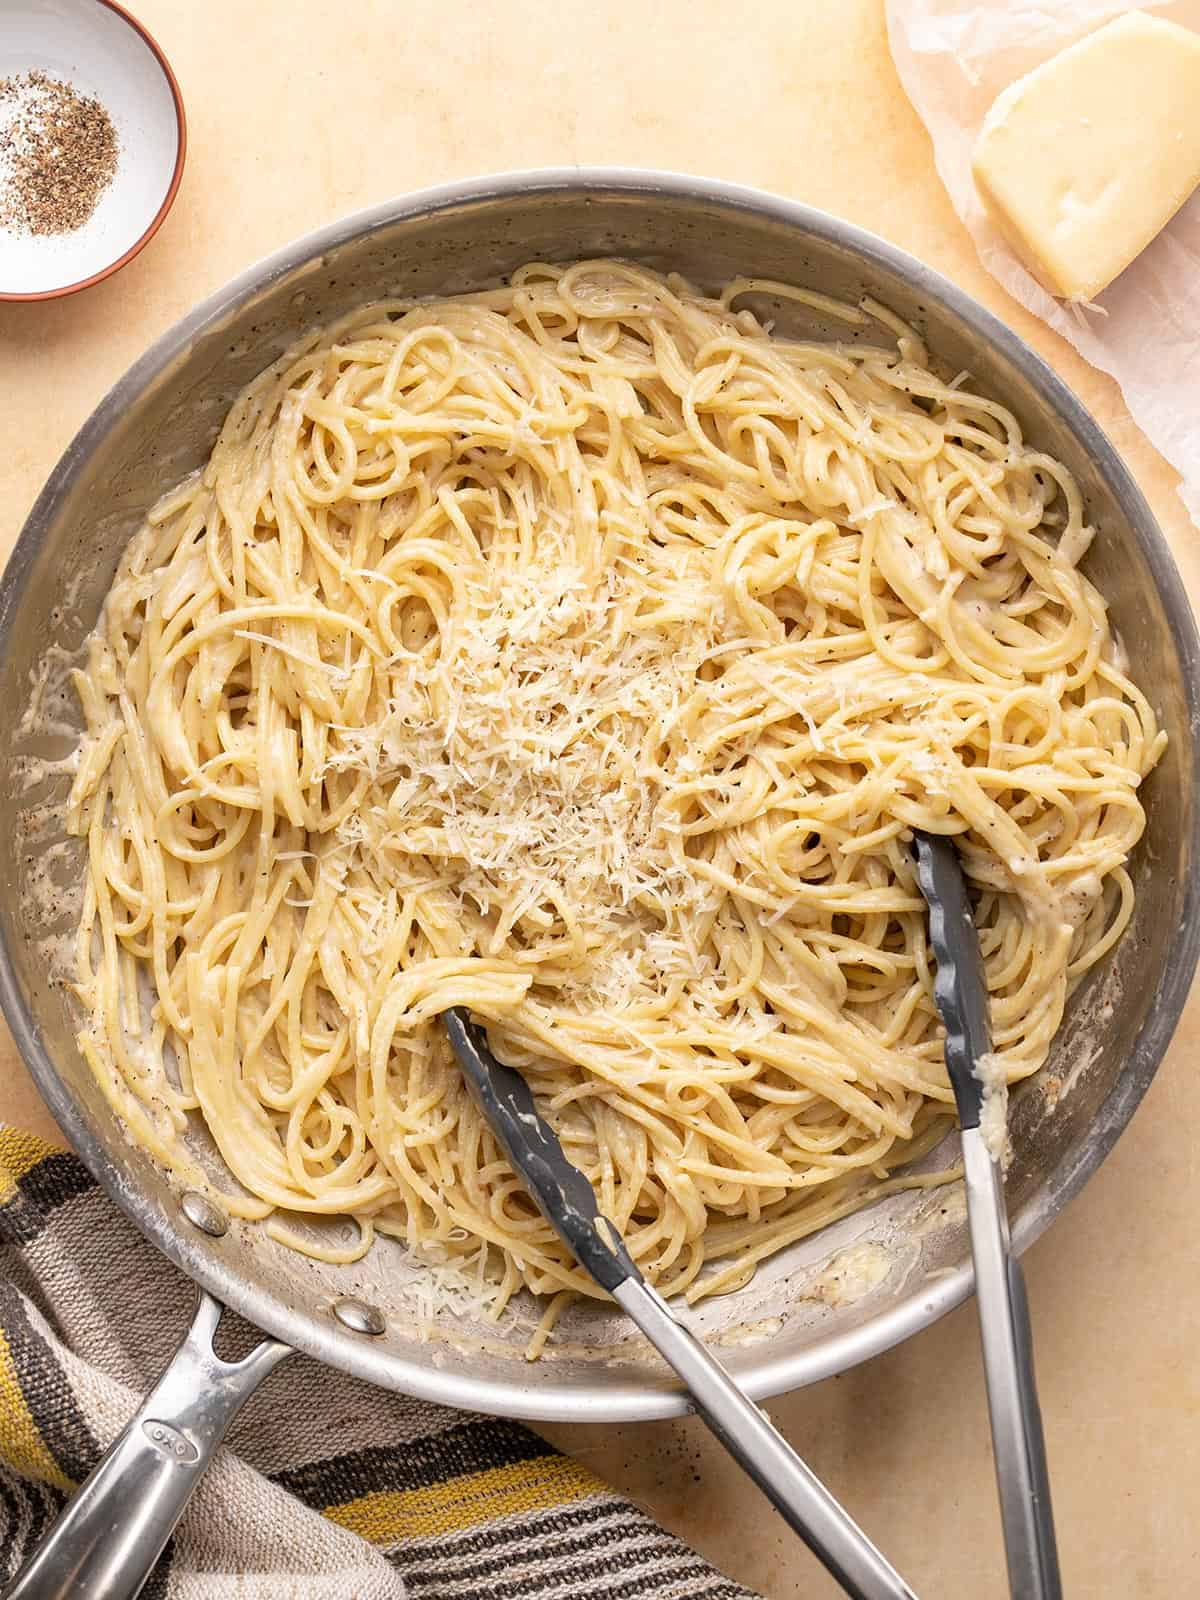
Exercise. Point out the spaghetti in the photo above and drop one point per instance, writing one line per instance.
(579, 653)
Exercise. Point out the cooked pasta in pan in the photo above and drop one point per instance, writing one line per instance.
(581, 653)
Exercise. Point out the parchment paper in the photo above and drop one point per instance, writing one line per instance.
(953, 58)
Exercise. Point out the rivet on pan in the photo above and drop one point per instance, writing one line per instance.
(358, 1316)
(202, 1214)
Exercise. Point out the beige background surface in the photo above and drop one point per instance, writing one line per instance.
(301, 110)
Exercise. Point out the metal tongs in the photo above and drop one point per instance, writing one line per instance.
(1017, 1444)
(566, 1200)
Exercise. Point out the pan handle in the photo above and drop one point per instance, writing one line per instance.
(108, 1538)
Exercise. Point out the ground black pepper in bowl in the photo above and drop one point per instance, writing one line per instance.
(58, 154)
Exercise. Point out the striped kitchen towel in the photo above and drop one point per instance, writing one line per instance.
(325, 1481)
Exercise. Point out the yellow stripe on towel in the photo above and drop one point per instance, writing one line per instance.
(19, 1154)
(21, 1445)
(393, 1515)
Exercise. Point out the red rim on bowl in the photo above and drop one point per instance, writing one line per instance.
(159, 217)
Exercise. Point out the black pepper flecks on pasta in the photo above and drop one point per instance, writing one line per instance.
(58, 154)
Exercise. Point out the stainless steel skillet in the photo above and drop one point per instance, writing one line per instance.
(160, 421)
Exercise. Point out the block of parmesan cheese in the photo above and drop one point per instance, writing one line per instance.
(1082, 161)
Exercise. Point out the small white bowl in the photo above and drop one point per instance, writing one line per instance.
(100, 50)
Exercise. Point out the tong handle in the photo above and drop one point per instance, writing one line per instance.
(566, 1200)
(1017, 1440)
(800, 1497)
